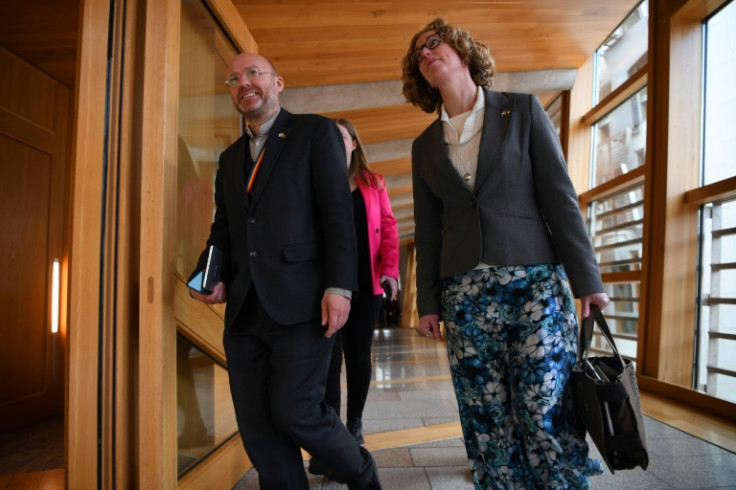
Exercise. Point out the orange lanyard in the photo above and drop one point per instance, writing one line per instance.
(255, 170)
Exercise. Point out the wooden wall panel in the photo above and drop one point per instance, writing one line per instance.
(35, 112)
(44, 32)
(25, 204)
(658, 200)
(578, 145)
(678, 312)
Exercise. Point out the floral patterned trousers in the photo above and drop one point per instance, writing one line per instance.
(512, 341)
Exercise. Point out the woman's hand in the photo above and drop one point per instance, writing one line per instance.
(393, 286)
(598, 299)
(429, 326)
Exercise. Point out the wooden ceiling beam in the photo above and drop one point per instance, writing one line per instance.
(389, 168)
(350, 42)
(395, 191)
(326, 99)
(378, 124)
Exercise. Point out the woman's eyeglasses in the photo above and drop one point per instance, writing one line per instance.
(431, 44)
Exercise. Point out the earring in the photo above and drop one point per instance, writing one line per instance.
(431, 89)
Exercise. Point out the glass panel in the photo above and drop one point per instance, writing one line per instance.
(622, 317)
(205, 415)
(716, 359)
(623, 53)
(720, 98)
(554, 111)
(616, 228)
(207, 125)
(619, 139)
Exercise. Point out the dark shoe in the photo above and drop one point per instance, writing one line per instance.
(355, 427)
(368, 480)
(317, 468)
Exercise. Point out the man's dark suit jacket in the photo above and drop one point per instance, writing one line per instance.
(522, 211)
(294, 236)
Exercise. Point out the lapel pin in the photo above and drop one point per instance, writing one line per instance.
(505, 112)
(282, 135)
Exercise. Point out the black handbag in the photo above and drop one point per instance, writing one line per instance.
(390, 313)
(607, 400)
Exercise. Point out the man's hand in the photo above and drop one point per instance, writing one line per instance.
(429, 326)
(218, 295)
(335, 311)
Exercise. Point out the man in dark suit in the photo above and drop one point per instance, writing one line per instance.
(284, 217)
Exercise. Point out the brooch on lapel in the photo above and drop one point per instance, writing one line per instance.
(282, 135)
(505, 112)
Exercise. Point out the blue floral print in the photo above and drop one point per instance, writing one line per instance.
(512, 340)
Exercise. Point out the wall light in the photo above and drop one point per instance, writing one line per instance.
(55, 297)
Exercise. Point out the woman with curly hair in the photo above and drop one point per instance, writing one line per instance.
(498, 234)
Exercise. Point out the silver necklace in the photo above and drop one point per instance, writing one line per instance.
(466, 175)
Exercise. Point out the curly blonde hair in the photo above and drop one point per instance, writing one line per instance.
(474, 54)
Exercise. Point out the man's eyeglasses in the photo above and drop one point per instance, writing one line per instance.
(431, 44)
(235, 79)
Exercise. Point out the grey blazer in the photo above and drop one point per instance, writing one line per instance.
(522, 211)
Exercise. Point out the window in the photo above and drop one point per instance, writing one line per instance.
(623, 53)
(619, 139)
(205, 418)
(616, 224)
(615, 199)
(715, 356)
(717, 333)
(720, 97)
(207, 125)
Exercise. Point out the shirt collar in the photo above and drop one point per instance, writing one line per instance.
(480, 101)
(265, 128)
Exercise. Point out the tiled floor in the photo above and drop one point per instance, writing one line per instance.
(411, 426)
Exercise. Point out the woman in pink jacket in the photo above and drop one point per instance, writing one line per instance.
(378, 264)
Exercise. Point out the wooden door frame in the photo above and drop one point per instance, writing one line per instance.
(121, 391)
(82, 420)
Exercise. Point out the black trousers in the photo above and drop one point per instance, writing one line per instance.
(355, 339)
(277, 380)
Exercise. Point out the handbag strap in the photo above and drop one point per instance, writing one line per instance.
(586, 334)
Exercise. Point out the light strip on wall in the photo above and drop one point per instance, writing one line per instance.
(55, 297)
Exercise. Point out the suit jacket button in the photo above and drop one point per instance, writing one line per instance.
(251, 220)
(253, 254)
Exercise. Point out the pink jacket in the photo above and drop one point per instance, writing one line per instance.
(383, 234)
